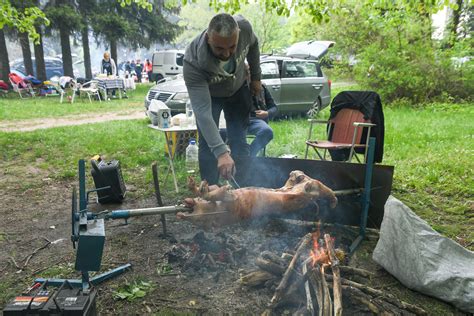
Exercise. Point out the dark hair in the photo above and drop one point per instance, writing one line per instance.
(223, 24)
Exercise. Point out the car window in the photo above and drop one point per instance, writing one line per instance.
(269, 70)
(179, 59)
(312, 69)
(300, 68)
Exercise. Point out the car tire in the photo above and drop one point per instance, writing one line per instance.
(314, 109)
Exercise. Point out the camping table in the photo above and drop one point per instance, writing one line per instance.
(171, 152)
(109, 84)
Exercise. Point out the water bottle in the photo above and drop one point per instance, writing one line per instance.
(192, 162)
(189, 114)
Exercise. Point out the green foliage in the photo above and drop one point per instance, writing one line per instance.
(64, 16)
(23, 20)
(405, 64)
(133, 291)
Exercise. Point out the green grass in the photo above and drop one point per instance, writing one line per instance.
(431, 148)
(13, 108)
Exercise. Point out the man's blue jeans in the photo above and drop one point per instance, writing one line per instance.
(236, 112)
(263, 135)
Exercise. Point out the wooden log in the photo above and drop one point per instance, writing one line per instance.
(337, 291)
(363, 298)
(314, 279)
(256, 278)
(358, 271)
(289, 271)
(270, 266)
(326, 296)
(385, 296)
(275, 258)
(307, 290)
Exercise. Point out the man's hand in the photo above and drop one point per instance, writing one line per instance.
(256, 87)
(226, 166)
(261, 114)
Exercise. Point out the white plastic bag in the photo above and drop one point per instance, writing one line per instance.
(424, 260)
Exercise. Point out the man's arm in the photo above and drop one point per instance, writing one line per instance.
(198, 90)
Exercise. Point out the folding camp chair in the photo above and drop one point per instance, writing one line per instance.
(20, 86)
(90, 88)
(344, 132)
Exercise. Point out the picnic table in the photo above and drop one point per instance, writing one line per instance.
(107, 84)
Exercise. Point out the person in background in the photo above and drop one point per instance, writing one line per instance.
(108, 65)
(214, 73)
(128, 69)
(139, 70)
(148, 69)
(263, 110)
(132, 68)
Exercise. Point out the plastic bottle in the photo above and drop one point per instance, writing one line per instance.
(189, 114)
(192, 162)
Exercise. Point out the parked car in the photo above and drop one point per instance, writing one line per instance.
(298, 86)
(54, 67)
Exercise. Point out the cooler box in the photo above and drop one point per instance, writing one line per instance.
(108, 174)
(179, 141)
(159, 114)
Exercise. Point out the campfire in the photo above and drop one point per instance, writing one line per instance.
(311, 280)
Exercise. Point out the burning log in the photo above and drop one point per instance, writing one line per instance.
(289, 271)
(337, 291)
(309, 300)
(299, 191)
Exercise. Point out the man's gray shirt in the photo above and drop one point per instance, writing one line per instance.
(205, 78)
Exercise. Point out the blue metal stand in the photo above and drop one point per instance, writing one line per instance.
(365, 198)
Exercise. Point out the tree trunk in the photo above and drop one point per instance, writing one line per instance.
(66, 52)
(25, 48)
(113, 52)
(4, 62)
(453, 24)
(39, 57)
(87, 52)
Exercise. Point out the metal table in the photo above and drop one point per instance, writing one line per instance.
(171, 153)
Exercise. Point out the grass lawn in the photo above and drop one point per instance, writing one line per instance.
(13, 108)
(431, 148)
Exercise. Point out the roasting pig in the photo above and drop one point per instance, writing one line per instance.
(227, 205)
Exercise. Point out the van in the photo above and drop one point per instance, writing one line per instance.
(167, 63)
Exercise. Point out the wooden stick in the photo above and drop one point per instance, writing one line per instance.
(361, 272)
(309, 300)
(256, 278)
(289, 271)
(363, 298)
(327, 297)
(314, 276)
(387, 297)
(337, 291)
(269, 266)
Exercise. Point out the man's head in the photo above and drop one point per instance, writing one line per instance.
(106, 56)
(222, 36)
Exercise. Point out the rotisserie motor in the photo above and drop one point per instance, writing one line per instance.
(299, 192)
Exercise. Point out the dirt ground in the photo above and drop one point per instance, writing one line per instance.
(32, 217)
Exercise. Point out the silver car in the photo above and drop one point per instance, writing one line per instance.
(297, 85)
